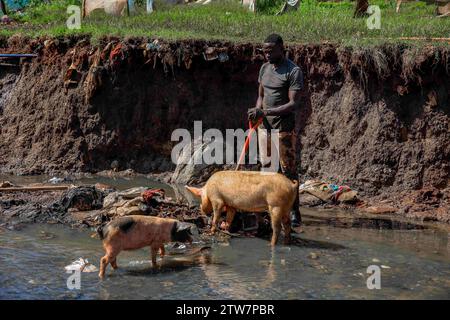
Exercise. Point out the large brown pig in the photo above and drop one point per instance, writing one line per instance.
(134, 232)
(249, 191)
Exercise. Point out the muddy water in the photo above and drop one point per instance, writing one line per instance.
(329, 261)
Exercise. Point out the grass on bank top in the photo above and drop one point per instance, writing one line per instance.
(228, 20)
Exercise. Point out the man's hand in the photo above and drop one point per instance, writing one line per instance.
(255, 114)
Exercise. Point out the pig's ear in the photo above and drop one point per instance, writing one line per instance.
(195, 191)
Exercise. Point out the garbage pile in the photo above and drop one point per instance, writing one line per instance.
(135, 201)
(95, 205)
(328, 192)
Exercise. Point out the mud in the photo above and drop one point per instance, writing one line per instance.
(376, 119)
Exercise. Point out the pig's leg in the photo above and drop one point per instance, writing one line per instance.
(286, 220)
(154, 253)
(104, 263)
(109, 257)
(162, 251)
(114, 264)
(217, 208)
(230, 216)
(275, 216)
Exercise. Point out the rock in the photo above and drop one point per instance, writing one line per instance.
(127, 207)
(110, 199)
(6, 184)
(82, 198)
(190, 168)
(380, 210)
(115, 165)
(132, 193)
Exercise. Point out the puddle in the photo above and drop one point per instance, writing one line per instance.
(328, 263)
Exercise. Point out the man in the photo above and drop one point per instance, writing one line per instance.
(280, 81)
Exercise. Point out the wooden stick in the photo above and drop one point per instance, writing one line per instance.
(41, 188)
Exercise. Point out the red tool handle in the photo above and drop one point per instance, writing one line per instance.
(247, 141)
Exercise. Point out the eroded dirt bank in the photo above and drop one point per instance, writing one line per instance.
(375, 119)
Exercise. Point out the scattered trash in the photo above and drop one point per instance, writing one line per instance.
(155, 46)
(223, 57)
(150, 196)
(328, 192)
(210, 54)
(313, 256)
(117, 55)
(81, 264)
(385, 267)
(56, 180)
(43, 235)
(375, 260)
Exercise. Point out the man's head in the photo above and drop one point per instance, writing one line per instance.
(273, 48)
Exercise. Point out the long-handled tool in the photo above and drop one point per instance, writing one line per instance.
(18, 55)
(247, 140)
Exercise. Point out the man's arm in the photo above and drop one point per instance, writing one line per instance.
(259, 101)
(294, 101)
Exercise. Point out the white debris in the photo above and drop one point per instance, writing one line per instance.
(81, 264)
(56, 180)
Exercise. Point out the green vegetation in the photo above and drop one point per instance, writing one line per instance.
(228, 20)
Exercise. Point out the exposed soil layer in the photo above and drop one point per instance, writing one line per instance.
(376, 119)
